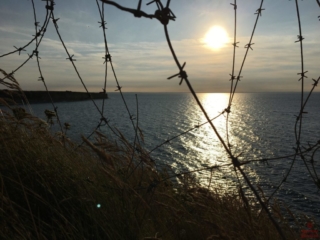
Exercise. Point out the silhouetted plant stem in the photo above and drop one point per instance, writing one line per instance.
(135, 134)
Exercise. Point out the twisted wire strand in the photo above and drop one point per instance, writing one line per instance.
(101, 13)
(246, 54)
(233, 66)
(38, 61)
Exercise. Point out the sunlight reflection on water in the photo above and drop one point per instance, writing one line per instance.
(209, 151)
(260, 125)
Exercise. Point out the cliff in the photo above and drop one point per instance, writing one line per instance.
(57, 96)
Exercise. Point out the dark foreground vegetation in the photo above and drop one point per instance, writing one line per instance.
(52, 190)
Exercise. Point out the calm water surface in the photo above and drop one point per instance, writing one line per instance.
(261, 125)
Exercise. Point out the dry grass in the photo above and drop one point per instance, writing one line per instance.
(50, 191)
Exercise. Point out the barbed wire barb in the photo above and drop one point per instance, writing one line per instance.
(19, 49)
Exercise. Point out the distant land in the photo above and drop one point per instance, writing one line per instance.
(57, 96)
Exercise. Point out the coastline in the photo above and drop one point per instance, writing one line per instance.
(57, 96)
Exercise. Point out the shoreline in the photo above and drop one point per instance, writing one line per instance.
(57, 96)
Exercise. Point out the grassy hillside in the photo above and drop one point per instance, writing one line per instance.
(52, 190)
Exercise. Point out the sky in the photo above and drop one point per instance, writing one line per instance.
(140, 53)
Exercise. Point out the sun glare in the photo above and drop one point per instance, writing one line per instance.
(216, 37)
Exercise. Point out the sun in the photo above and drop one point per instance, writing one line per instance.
(216, 37)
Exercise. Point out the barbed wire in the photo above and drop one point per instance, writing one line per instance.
(41, 78)
(164, 15)
(235, 7)
(247, 46)
(107, 54)
(302, 101)
(298, 129)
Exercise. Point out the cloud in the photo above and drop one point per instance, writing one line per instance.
(145, 66)
(13, 30)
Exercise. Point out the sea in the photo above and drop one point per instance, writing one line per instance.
(260, 126)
